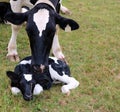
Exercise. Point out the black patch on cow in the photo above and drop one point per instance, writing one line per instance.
(61, 67)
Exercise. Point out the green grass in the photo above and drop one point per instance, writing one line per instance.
(93, 53)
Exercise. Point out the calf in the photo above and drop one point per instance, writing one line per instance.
(41, 28)
(16, 6)
(29, 82)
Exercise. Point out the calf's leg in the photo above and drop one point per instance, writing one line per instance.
(70, 82)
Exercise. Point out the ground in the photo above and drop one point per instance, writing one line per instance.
(92, 53)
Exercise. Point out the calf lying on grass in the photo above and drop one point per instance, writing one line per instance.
(26, 80)
(41, 28)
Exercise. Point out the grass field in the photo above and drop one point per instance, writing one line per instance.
(93, 53)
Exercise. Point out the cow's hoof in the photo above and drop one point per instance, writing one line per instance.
(65, 10)
(63, 59)
(13, 58)
(68, 93)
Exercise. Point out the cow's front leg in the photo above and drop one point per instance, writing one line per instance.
(12, 46)
(56, 49)
(27, 3)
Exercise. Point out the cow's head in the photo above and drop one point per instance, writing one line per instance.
(41, 28)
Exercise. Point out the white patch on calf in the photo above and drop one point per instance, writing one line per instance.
(38, 89)
(41, 19)
(15, 90)
(67, 28)
(28, 77)
(24, 62)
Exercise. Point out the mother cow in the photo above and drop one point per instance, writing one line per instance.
(16, 6)
(41, 29)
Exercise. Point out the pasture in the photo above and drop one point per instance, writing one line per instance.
(93, 53)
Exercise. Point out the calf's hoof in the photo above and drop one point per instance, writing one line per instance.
(65, 89)
(13, 58)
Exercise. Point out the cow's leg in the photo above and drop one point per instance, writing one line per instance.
(64, 10)
(56, 49)
(12, 46)
(16, 5)
(28, 3)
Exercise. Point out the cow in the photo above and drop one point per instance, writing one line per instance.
(41, 29)
(16, 6)
(30, 82)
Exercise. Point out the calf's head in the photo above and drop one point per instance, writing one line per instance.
(41, 28)
(28, 82)
(23, 83)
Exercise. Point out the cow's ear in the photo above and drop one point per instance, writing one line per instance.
(66, 24)
(12, 75)
(16, 18)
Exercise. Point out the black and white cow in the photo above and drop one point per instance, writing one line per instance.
(41, 28)
(16, 6)
(29, 82)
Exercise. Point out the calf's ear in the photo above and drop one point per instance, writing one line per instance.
(16, 18)
(66, 24)
(12, 75)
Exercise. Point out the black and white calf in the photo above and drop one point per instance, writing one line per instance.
(29, 82)
(41, 28)
(16, 6)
